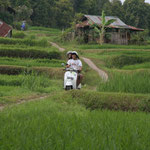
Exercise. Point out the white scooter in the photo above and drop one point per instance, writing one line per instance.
(70, 79)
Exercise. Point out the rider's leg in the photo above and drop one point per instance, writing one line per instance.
(79, 79)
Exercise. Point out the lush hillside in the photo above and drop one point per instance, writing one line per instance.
(61, 13)
(38, 114)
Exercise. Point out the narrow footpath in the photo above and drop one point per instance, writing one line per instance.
(23, 101)
(101, 73)
(57, 46)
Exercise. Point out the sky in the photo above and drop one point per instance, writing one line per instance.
(147, 1)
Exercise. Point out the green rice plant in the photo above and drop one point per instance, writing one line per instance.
(32, 37)
(135, 82)
(10, 94)
(29, 42)
(122, 60)
(26, 86)
(34, 82)
(48, 124)
(44, 29)
(145, 65)
(28, 53)
(20, 35)
(111, 100)
(12, 70)
(17, 25)
(31, 62)
(112, 46)
(9, 80)
(26, 47)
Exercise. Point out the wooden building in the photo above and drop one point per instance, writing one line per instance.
(116, 33)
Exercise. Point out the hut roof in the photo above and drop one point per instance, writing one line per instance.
(87, 20)
(4, 29)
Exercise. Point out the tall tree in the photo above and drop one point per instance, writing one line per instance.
(64, 13)
(97, 6)
(136, 13)
(40, 14)
(4, 14)
(81, 6)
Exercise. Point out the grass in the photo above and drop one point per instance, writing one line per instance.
(131, 82)
(44, 29)
(10, 94)
(145, 65)
(51, 124)
(111, 59)
(30, 62)
(72, 119)
(28, 42)
(28, 48)
(112, 46)
(13, 86)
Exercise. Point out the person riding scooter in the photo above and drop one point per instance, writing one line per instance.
(69, 55)
(76, 64)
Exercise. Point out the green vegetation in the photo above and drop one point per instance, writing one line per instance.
(96, 117)
(28, 53)
(131, 82)
(58, 124)
(31, 62)
(60, 13)
(28, 42)
(18, 35)
(14, 87)
(112, 46)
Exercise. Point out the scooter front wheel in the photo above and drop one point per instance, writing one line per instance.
(68, 88)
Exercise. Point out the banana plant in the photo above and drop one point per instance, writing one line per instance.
(100, 29)
(103, 27)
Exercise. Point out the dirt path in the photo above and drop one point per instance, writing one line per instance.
(23, 101)
(57, 46)
(101, 73)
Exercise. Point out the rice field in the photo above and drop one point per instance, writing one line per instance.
(49, 124)
(111, 115)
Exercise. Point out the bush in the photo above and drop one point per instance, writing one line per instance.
(6, 17)
(29, 42)
(53, 73)
(122, 60)
(20, 35)
(12, 70)
(17, 26)
(112, 101)
(35, 82)
(68, 35)
(145, 105)
(29, 53)
(139, 38)
(129, 82)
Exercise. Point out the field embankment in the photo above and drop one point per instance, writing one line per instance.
(60, 122)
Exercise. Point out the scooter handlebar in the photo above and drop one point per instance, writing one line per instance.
(71, 69)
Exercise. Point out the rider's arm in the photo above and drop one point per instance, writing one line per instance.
(80, 68)
(68, 64)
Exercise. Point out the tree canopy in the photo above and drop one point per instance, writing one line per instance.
(60, 13)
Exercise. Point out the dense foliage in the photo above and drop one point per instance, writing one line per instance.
(60, 13)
